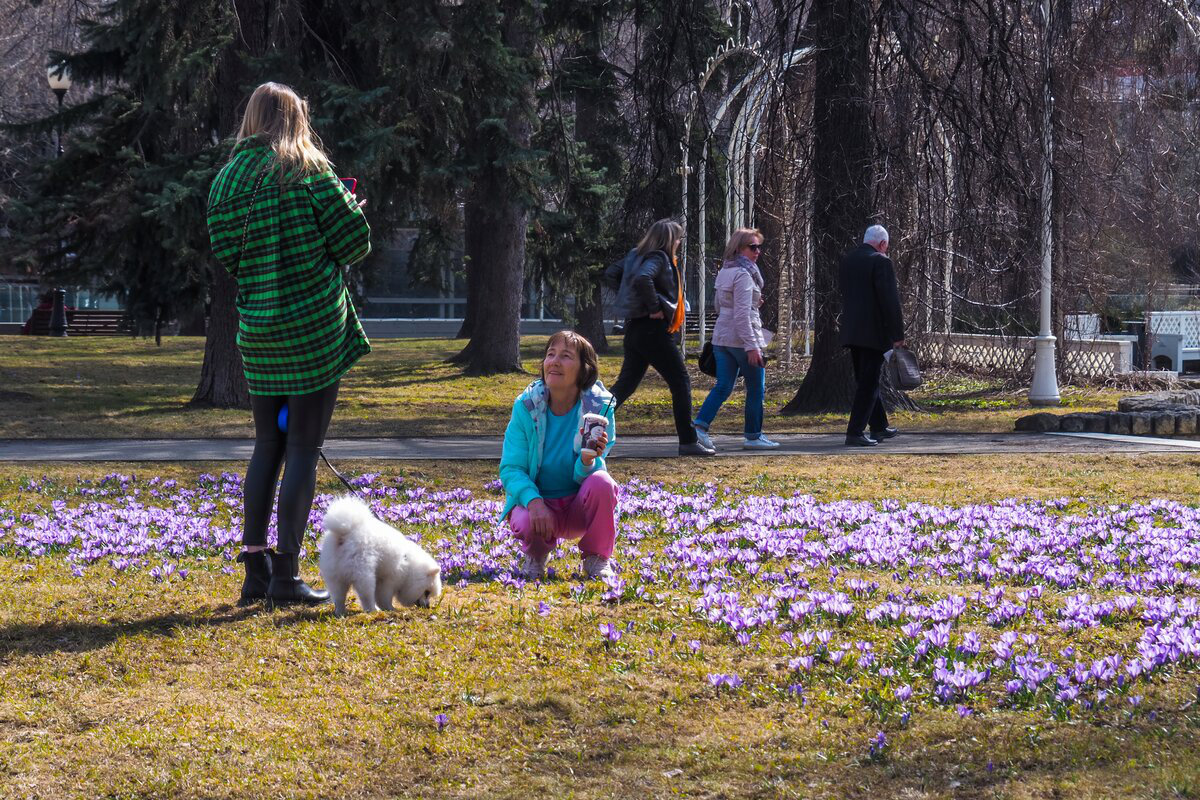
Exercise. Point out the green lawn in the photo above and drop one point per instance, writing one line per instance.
(121, 387)
(137, 689)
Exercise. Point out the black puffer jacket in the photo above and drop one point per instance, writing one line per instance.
(644, 285)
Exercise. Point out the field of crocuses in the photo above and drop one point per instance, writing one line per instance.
(1060, 609)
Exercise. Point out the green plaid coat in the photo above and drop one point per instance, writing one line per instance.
(297, 330)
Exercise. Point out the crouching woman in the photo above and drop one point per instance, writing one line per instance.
(553, 489)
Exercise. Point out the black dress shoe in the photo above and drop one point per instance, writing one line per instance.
(286, 588)
(886, 433)
(258, 576)
(696, 449)
(861, 440)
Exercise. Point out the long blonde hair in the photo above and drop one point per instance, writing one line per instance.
(278, 114)
(662, 235)
(741, 237)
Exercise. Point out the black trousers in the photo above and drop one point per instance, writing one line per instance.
(647, 344)
(297, 452)
(868, 405)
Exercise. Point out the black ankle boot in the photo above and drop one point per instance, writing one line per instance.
(286, 587)
(258, 576)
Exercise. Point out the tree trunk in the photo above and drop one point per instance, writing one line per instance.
(473, 279)
(842, 181)
(496, 241)
(589, 316)
(497, 218)
(222, 381)
(589, 131)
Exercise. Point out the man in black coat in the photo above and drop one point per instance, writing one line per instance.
(871, 324)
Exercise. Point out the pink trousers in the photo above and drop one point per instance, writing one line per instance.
(589, 516)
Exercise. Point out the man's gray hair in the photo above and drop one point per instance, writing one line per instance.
(876, 234)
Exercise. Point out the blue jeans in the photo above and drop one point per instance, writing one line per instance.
(730, 362)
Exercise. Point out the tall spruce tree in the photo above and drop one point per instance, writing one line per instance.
(497, 168)
(575, 233)
(165, 82)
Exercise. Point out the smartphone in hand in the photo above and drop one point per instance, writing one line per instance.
(351, 184)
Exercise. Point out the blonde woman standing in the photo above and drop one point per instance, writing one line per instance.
(738, 339)
(283, 225)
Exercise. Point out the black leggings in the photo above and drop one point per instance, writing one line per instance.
(647, 344)
(308, 419)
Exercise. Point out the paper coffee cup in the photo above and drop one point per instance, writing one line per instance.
(591, 427)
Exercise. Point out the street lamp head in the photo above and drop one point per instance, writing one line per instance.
(59, 77)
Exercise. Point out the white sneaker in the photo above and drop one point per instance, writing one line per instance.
(533, 569)
(704, 439)
(761, 443)
(597, 567)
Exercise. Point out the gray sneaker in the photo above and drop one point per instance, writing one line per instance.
(597, 567)
(761, 443)
(696, 449)
(704, 438)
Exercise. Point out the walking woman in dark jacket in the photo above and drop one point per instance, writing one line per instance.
(283, 225)
(649, 287)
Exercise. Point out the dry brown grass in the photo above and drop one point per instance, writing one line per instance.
(145, 690)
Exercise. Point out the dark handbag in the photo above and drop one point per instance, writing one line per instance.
(707, 361)
(905, 371)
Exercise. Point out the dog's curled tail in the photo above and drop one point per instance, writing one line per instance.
(344, 515)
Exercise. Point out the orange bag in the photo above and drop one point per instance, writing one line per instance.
(677, 320)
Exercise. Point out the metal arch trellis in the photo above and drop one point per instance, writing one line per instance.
(760, 84)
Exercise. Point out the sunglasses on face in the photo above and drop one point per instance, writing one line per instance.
(754, 247)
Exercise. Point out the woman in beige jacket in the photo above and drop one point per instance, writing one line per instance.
(738, 339)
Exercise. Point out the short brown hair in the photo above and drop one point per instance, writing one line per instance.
(741, 237)
(589, 365)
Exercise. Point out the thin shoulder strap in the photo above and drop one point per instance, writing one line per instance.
(250, 211)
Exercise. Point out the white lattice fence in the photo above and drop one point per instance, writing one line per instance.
(1013, 355)
(1095, 358)
(1183, 323)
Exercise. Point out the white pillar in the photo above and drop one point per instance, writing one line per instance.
(1044, 391)
(809, 282)
(949, 178)
(684, 171)
(701, 212)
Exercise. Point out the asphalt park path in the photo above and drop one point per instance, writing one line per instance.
(455, 448)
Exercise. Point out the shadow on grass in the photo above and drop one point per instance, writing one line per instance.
(37, 639)
(381, 380)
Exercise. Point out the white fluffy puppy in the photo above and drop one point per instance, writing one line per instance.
(381, 563)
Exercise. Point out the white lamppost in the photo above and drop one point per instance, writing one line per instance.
(1044, 391)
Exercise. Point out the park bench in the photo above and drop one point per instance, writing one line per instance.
(84, 322)
(691, 322)
(1175, 338)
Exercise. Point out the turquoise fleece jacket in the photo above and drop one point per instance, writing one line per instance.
(525, 441)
